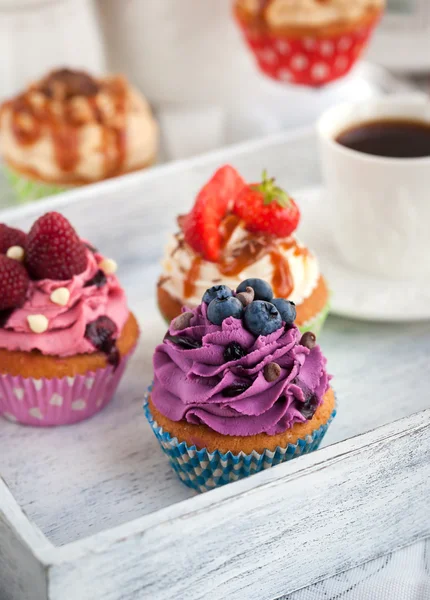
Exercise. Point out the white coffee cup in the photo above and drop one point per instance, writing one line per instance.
(380, 207)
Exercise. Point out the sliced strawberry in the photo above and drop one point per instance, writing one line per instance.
(10, 237)
(14, 282)
(266, 208)
(201, 225)
(54, 250)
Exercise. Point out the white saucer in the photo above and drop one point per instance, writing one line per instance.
(357, 294)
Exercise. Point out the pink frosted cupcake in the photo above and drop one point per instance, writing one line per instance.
(66, 332)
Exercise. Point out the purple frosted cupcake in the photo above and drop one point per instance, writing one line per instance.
(237, 388)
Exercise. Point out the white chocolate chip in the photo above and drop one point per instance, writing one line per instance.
(38, 323)
(60, 296)
(16, 252)
(108, 266)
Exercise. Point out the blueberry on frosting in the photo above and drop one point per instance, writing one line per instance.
(286, 309)
(212, 292)
(184, 342)
(224, 306)
(235, 389)
(234, 351)
(262, 318)
(262, 290)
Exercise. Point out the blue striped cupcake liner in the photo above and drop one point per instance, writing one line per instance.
(204, 471)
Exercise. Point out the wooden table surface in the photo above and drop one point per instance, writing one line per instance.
(379, 352)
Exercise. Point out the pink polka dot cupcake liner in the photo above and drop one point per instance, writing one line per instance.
(311, 61)
(58, 401)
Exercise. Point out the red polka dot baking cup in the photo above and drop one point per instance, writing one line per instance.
(58, 401)
(312, 61)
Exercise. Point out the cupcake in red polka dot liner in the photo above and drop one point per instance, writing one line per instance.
(307, 42)
(66, 332)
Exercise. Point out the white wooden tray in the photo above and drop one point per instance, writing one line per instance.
(94, 511)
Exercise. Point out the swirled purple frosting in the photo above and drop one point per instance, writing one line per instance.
(193, 381)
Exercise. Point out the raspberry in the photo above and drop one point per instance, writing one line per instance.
(14, 283)
(54, 250)
(10, 237)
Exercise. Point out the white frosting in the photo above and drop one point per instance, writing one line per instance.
(310, 13)
(176, 265)
(141, 134)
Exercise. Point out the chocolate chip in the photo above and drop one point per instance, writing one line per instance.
(272, 371)
(183, 342)
(308, 340)
(246, 297)
(234, 351)
(235, 389)
(183, 321)
(99, 280)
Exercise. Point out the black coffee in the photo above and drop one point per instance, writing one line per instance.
(392, 138)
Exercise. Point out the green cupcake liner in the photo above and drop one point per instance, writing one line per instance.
(316, 324)
(26, 189)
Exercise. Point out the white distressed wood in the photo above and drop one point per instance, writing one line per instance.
(22, 572)
(108, 458)
(400, 575)
(100, 476)
(268, 535)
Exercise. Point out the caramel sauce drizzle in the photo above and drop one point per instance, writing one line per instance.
(192, 276)
(30, 121)
(250, 251)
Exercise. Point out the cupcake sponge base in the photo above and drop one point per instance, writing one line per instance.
(46, 391)
(39, 366)
(204, 469)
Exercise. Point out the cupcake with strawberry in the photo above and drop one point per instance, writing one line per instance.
(237, 232)
(237, 388)
(308, 42)
(66, 332)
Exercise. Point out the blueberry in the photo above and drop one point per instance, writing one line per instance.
(183, 342)
(212, 292)
(308, 409)
(286, 309)
(262, 289)
(234, 351)
(224, 306)
(262, 318)
(235, 389)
